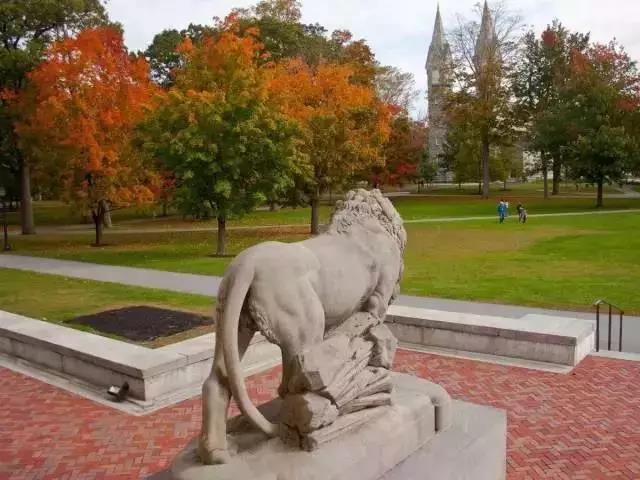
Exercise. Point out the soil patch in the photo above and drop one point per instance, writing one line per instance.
(142, 323)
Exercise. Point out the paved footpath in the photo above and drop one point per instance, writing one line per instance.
(208, 285)
(122, 227)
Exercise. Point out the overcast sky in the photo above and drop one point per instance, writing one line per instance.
(399, 31)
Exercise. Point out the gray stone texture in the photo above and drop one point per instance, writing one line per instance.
(317, 300)
(367, 451)
(99, 361)
(333, 381)
(438, 66)
(548, 339)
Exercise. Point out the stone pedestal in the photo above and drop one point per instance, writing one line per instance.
(405, 436)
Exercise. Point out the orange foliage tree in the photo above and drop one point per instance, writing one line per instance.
(77, 119)
(343, 122)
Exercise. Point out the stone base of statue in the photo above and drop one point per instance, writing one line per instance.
(422, 435)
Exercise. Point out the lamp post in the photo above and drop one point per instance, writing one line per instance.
(5, 227)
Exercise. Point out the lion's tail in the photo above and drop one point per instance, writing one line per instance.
(228, 329)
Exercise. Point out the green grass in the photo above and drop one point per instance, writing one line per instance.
(411, 208)
(60, 299)
(557, 262)
(57, 213)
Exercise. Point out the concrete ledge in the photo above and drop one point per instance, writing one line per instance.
(539, 338)
(474, 448)
(100, 361)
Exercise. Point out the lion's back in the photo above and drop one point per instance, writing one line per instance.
(271, 259)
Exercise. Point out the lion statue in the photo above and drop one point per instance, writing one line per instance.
(295, 293)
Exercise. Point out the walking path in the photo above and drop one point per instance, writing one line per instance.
(84, 229)
(208, 285)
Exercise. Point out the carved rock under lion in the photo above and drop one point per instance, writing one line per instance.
(336, 379)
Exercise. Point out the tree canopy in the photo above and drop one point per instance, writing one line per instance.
(77, 117)
(228, 147)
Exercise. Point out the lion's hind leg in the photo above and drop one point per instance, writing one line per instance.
(301, 324)
(216, 394)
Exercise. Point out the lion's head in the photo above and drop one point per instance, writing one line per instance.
(360, 205)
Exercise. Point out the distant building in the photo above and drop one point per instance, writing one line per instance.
(439, 74)
(439, 63)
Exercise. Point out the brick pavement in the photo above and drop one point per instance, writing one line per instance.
(580, 426)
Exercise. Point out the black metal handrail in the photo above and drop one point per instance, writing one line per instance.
(597, 304)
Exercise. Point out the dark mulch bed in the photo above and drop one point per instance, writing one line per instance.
(142, 324)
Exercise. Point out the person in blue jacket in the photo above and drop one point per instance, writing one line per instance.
(502, 210)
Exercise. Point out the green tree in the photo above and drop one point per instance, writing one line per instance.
(600, 102)
(462, 149)
(537, 80)
(163, 55)
(427, 169)
(216, 130)
(506, 163)
(26, 28)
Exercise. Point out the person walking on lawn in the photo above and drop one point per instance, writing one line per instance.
(502, 210)
(522, 214)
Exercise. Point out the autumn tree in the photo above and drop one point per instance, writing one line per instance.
(599, 105)
(26, 28)
(484, 54)
(403, 150)
(77, 118)
(344, 125)
(538, 79)
(216, 129)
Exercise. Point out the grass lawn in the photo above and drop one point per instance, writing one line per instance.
(411, 208)
(557, 262)
(59, 299)
(59, 213)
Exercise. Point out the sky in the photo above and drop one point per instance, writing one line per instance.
(399, 31)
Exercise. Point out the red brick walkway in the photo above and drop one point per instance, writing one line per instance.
(580, 426)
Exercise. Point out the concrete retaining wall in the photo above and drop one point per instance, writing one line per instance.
(102, 362)
(539, 338)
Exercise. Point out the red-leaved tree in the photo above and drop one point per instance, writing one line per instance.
(77, 119)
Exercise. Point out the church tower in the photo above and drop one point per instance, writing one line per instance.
(486, 52)
(438, 67)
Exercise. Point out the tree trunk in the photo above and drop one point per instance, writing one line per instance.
(26, 204)
(164, 208)
(545, 176)
(505, 185)
(98, 221)
(315, 214)
(557, 175)
(222, 236)
(599, 199)
(486, 176)
(106, 219)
